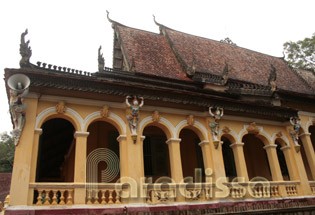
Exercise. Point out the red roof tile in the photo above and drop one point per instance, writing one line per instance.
(154, 54)
(151, 53)
(245, 65)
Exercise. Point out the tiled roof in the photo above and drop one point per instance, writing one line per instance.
(151, 53)
(308, 76)
(245, 65)
(168, 55)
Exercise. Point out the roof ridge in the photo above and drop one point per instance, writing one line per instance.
(236, 46)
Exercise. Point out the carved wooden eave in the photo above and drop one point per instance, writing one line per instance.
(121, 59)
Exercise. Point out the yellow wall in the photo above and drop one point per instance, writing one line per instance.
(131, 154)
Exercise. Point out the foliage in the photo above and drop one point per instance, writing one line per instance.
(7, 148)
(301, 54)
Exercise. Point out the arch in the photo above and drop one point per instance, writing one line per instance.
(191, 155)
(114, 119)
(310, 122)
(228, 156)
(50, 113)
(231, 135)
(197, 127)
(256, 158)
(283, 159)
(166, 126)
(56, 151)
(283, 139)
(156, 162)
(262, 135)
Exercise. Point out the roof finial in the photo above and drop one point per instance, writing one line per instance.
(158, 24)
(192, 70)
(101, 61)
(132, 66)
(25, 50)
(225, 73)
(273, 78)
(111, 21)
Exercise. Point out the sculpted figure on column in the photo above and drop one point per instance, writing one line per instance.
(17, 109)
(217, 115)
(134, 118)
(296, 122)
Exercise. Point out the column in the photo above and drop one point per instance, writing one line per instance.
(175, 159)
(240, 162)
(274, 165)
(273, 162)
(207, 161)
(80, 167)
(123, 155)
(176, 166)
(37, 134)
(19, 191)
(309, 151)
(291, 164)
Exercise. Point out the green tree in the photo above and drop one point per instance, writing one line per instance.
(7, 149)
(301, 54)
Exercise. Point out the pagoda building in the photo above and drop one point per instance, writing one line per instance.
(179, 125)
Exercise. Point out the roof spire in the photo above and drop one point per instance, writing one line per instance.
(158, 24)
(25, 51)
(112, 21)
(109, 19)
(101, 61)
(273, 78)
(225, 73)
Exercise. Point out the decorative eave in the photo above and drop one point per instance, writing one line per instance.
(120, 84)
(120, 56)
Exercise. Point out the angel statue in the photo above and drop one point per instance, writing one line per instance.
(17, 109)
(296, 122)
(134, 118)
(217, 115)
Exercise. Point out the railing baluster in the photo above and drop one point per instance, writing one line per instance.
(39, 197)
(62, 197)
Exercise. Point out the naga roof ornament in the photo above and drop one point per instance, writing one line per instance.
(101, 60)
(25, 51)
(228, 41)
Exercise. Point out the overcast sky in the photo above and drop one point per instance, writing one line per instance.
(68, 33)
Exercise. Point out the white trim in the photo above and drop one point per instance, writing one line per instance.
(236, 144)
(81, 134)
(49, 110)
(285, 148)
(306, 113)
(173, 140)
(38, 131)
(270, 146)
(121, 105)
(121, 137)
(309, 123)
(284, 137)
(196, 124)
(203, 143)
(231, 132)
(146, 120)
(261, 131)
(111, 115)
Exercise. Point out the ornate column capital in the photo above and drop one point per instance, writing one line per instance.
(81, 134)
(284, 148)
(121, 137)
(38, 131)
(236, 144)
(270, 146)
(305, 134)
(173, 140)
(203, 143)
